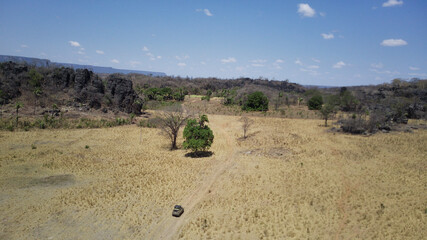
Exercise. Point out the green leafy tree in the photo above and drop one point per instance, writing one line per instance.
(179, 94)
(348, 101)
(256, 101)
(198, 136)
(35, 78)
(315, 103)
(327, 110)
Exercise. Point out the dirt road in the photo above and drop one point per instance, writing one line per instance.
(169, 227)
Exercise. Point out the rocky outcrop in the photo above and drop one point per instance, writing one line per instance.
(82, 86)
(122, 94)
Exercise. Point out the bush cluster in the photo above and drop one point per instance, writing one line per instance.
(165, 93)
(52, 122)
(256, 101)
(315, 102)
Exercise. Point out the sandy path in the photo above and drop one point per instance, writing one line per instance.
(169, 227)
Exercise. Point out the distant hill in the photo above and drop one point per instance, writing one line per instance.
(96, 69)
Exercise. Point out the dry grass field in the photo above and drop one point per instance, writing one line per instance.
(290, 179)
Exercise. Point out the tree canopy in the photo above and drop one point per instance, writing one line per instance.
(198, 136)
(256, 101)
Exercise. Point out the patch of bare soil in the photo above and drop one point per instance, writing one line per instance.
(275, 152)
(55, 180)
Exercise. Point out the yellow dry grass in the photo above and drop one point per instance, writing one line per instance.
(291, 179)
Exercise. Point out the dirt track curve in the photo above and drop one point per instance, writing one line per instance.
(169, 227)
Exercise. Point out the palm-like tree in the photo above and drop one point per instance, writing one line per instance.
(37, 92)
(18, 105)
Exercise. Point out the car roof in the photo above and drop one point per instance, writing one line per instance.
(177, 206)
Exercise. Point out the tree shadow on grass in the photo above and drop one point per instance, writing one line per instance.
(200, 154)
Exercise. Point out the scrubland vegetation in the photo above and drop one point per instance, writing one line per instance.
(287, 179)
(87, 157)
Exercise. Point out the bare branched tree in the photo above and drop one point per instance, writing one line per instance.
(172, 120)
(246, 124)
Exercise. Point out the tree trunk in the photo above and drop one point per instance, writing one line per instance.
(174, 142)
(326, 122)
(17, 116)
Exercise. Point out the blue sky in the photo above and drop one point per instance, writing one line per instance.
(320, 42)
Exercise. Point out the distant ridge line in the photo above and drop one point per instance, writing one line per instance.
(96, 69)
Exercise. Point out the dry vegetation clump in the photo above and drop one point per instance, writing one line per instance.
(298, 181)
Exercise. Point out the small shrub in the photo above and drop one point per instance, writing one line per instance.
(315, 103)
(87, 146)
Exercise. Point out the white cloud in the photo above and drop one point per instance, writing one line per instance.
(259, 61)
(257, 65)
(43, 54)
(203, 63)
(205, 11)
(99, 51)
(392, 3)
(322, 14)
(310, 71)
(115, 61)
(74, 43)
(298, 62)
(134, 63)
(81, 52)
(181, 64)
(414, 68)
(277, 63)
(393, 42)
(315, 60)
(145, 49)
(377, 65)
(313, 67)
(229, 60)
(339, 64)
(182, 58)
(159, 57)
(305, 10)
(385, 72)
(418, 74)
(327, 35)
(24, 46)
